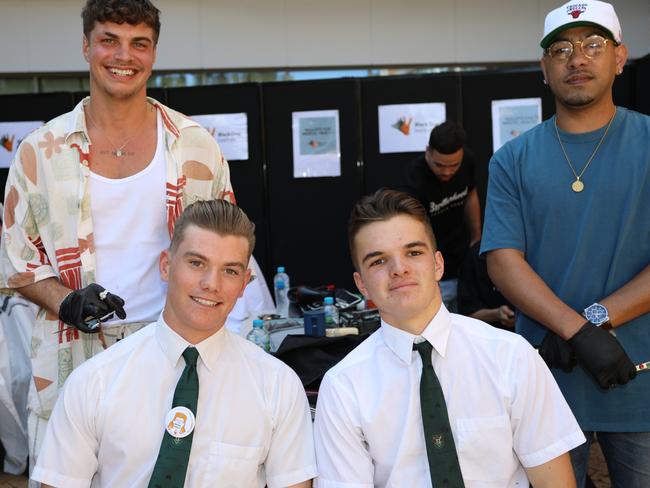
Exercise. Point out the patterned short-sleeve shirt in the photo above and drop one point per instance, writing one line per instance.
(48, 228)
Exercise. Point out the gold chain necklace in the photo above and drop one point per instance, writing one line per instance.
(577, 186)
(118, 152)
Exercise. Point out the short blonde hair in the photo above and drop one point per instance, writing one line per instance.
(218, 216)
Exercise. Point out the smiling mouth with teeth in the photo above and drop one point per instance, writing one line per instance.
(202, 301)
(122, 72)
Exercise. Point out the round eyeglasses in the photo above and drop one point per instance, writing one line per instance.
(591, 46)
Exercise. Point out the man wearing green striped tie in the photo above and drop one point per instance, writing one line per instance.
(184, 402)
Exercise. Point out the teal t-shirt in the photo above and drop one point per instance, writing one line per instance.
(583, 245)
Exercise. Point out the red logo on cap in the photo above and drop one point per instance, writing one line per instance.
(576, 9)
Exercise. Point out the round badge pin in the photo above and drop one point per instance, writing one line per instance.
(180, 422)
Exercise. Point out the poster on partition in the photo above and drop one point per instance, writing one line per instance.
(230, 131)
(11, 135)
(316, 144)
(406, 127)
(513, 117)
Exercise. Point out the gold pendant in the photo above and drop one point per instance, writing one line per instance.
(577, 186)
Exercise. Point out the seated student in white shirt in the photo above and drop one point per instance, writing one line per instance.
(252, 424)
(509, 421)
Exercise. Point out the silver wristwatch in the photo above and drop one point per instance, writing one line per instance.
(598, 315)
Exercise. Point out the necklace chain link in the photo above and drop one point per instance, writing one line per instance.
(577, 186)
(118, 152)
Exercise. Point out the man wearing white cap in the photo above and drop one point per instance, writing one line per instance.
(567, 238)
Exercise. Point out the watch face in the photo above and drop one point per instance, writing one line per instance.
(596, 314)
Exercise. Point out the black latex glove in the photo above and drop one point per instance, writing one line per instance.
(556, 352)
(80, 307)
(602, 356)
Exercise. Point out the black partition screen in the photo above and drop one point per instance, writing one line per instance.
(247, 176)
(624, 87)
(642, 77)
(479, 90)
(308, 215)
(28, 107)
(301, 222)
(385, 170)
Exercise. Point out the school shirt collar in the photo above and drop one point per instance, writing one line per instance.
(436, 333)
(173, 345)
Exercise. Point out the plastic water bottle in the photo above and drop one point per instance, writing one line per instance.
(331, 313)
(281, 289)
(258, 335)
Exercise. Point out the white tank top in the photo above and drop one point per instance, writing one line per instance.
(130, 228)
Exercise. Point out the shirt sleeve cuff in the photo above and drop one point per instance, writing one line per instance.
(57, 479)
(321, 483)
(41, 273)
(292, 478)
(492, 246)
(554, 450)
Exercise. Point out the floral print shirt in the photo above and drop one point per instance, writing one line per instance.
(48, 228)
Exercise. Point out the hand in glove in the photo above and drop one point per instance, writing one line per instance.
(93, 302)
(556, 352)
(602, 356)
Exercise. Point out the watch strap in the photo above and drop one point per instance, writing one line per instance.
(607, 325)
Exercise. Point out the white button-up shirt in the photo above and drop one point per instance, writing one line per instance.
(505, 409)
(253, 425)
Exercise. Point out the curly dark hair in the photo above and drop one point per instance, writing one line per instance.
(447, 138)
(119, 11)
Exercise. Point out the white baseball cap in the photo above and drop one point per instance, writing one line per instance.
(578, 13)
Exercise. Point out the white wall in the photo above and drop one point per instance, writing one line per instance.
(45, 35)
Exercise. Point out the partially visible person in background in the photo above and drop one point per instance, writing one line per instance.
(477, 295)
(443, 180)
(16, 318)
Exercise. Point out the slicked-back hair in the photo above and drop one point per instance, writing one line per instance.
(218, 216)
(132, 12)
(447, 138)
(383, 205)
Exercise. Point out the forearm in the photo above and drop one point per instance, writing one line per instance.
(304, 484)
(486, 314)
(48, 293)
(556, 473)
(473, 217)
(523, 287)
(630, 301)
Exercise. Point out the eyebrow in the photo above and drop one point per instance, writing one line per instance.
(135, 39)
(410, 245)
(193, 254)
(371, 255)
(413, 244)
(448, 165)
